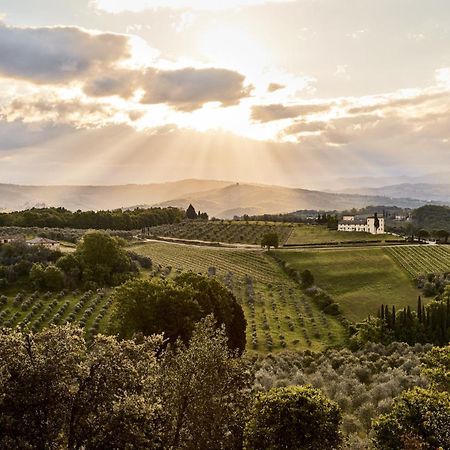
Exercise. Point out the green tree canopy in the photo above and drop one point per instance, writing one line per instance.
(295, 418)
(100, 259)
(56, 394)
(172, 307)
(419, 416)
(270, 240)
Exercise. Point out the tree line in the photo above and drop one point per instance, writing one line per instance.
(108, 220)
(427, 324)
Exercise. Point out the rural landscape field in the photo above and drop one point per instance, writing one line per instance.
(224, 225)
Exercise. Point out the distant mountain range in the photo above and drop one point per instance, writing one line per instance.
(342, 184)
(219, 198)
(420, 191)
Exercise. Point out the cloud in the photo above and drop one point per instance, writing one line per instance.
(53, 55)
(121, 82)
(118, 6)
(188, 89)
(305, 127)
(268, 113)
(62, 55)
(394, 102)
(51, 108)
(18, 134)
(275, 87)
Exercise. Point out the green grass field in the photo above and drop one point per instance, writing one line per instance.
(235, 232)
(320, 234)
(422, 260)
(278, 314)
(359, 279)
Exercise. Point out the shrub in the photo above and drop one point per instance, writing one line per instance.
(419, 415)
(295, 417)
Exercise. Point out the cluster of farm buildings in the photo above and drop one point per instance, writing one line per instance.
(37, 241)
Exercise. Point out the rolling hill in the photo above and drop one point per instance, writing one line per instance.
(238, 199)
(219, 198)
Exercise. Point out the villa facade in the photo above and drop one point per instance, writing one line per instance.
(367, 225)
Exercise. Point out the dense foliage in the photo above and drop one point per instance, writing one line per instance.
(112, 220)
(172, 307)
(428, 324)
(362, 383)
(270, 240)
(432, 217)
(56, 392)
(296, 418)
(17, 259)
(419, 420)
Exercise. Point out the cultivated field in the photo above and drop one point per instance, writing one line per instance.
(223, 231)
(320, 234)
(359, 279)
(34, 311)
(422, 260)
(278, 314)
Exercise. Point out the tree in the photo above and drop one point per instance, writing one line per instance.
(54, 278)
(190, 213)
(418, 415)
(307, 278)
(436, 367)
(270, 240)
(443, 236)
(423, 234)
(207, 390)
(376, 222)
(172, 307)
(54, 393)
(295, 417)
(102, 259)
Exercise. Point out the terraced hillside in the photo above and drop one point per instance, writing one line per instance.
(421, 260)
(359, 279)
(223, 231)
(278, 314)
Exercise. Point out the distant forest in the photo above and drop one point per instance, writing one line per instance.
(431, 217)
(110, 220)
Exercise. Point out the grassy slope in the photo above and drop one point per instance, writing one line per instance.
(276, 297)
(316, 234)
(359, 279)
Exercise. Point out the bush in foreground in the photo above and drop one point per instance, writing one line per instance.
(419, 417)
(295, 417)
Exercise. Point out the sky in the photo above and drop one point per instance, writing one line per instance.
(289, 92)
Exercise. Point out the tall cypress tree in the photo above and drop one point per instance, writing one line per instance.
(419, 309)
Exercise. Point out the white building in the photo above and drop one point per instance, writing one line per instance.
(44, 242)
(350, 223)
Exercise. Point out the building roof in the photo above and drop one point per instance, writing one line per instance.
(41, 240)
(353, 222)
